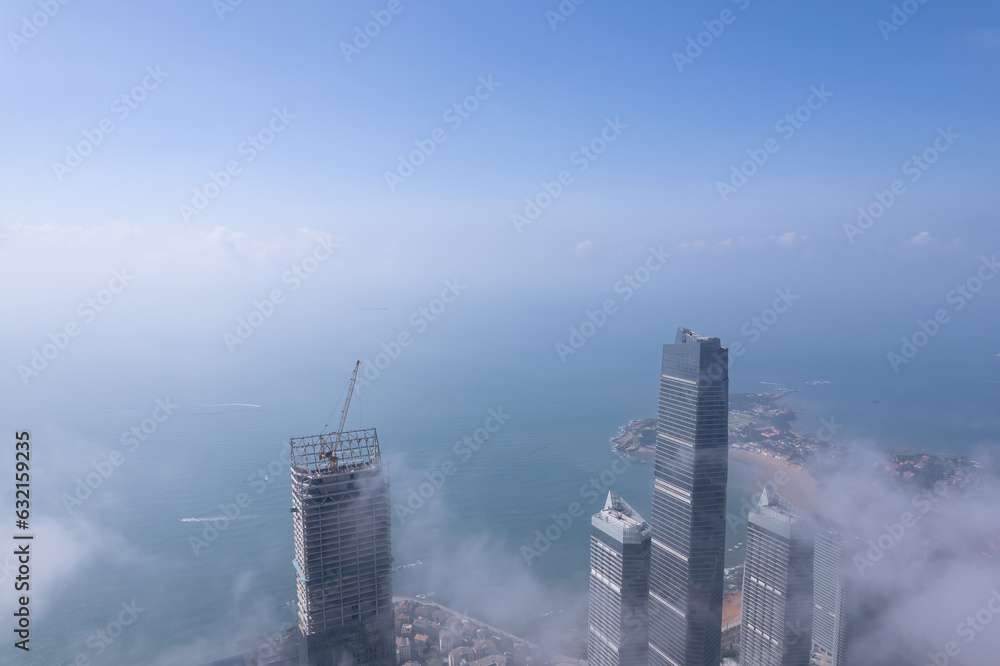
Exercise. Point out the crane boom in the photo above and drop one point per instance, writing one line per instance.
(347, 401)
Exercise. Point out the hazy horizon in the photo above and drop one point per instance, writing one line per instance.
(214, 208)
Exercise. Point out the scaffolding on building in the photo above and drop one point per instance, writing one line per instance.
(343, 548)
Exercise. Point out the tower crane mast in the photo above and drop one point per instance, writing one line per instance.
(347, 403)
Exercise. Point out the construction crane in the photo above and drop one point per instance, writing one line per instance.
(347, 401)
(333, 454)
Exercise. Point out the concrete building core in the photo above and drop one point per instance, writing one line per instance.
(343, 556)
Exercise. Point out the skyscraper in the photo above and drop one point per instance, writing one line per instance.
(777, 609)
(343, 560)
(618, 631)
(831, 620)
(689, 503)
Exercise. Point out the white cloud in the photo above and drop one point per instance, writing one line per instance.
(925, 239)
(789, 239)
(71, 547)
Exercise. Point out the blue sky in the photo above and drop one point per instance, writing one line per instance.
(224, 73)
(557, 86)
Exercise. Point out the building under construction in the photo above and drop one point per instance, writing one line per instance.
(343, 559)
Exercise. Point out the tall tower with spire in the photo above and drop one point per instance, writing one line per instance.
(776, 621)
(618, 631)
(689, 503)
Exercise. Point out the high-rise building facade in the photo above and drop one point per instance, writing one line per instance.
(831, 618)
(689, 503)
(777, 608)
(618, 631)
(343, 558)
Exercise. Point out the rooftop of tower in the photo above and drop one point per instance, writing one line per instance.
(621, 520)
(687, 335)
(777, 514)
(332, 452)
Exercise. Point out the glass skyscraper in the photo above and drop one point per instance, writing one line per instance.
(777, 610)
(831, 620)
(618, 632)
(689, 503)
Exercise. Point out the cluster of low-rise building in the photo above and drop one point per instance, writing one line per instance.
(425, 632)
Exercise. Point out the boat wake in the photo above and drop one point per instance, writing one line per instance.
(407, 566)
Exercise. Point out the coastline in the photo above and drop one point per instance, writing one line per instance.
(558, 659)
(629, 441)
(792, 482)
(764, 443)
(731, 608)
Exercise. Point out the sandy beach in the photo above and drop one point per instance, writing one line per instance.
(731, 610)
(792, 482)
